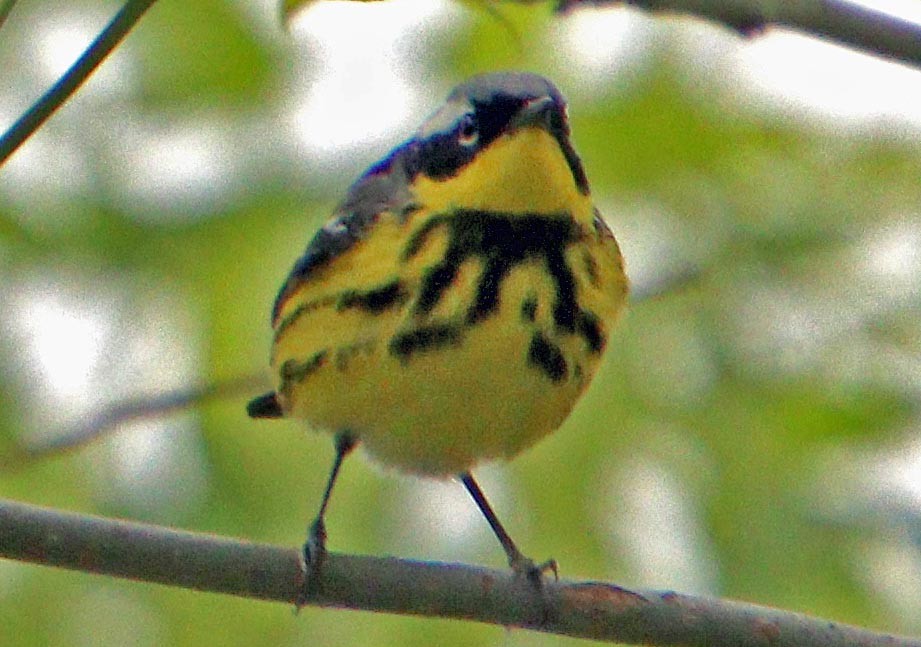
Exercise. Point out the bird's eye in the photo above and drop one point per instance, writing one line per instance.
(468, 134)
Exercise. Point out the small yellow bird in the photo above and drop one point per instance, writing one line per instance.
(458, 302)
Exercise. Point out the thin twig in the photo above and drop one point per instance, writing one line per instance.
(107, 40)
(582, 609)
(867, 30)
(665, 282)
(141, 408)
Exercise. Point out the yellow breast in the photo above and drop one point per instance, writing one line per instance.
(451, 337)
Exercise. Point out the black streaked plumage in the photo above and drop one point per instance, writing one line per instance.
(492, 101)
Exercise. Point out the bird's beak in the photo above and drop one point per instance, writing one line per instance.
(536, 112)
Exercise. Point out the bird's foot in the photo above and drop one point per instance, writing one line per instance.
(313, 555)
(526, 568)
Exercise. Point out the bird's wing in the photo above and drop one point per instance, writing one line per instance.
(382, 189)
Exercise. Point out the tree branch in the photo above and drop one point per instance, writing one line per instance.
(105, 42)
(840, 21)
(6, 6)
(109, 418)
(582, 609)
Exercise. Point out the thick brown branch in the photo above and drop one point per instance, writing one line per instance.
(840, 21)
(582, 609)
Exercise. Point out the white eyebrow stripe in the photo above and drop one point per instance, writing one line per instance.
(445, 119)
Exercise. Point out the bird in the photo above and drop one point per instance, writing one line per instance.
(457, 303)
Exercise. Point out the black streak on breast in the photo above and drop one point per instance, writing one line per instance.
(374, 301)
(500, 242)
(294, 372)
(547, 356)
(424, 338)
(529, 309)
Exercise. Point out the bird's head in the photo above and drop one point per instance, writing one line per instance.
(500, 142)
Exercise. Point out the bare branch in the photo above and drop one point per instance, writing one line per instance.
(840, 21)
(139, 408)
(582, 609)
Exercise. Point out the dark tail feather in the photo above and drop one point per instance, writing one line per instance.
(265, 406)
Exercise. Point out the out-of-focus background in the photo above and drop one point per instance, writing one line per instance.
(754, 434)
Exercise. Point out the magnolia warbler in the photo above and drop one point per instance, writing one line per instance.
(458, 302)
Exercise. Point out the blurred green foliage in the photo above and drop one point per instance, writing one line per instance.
(732, 443)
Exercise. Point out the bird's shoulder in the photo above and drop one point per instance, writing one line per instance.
(383, 190)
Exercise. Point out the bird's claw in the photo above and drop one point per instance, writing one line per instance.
(312, 556)
(526, 568)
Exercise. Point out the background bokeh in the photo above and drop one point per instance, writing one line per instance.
(753, 433)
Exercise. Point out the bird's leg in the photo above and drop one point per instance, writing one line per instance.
(314, 550)
(521, 564)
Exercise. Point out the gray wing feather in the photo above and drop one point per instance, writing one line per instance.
(382, 188)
